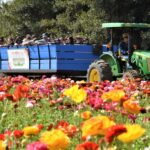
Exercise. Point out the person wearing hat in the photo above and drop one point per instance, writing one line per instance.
(122, 52)
(123, 45)
(45, 39)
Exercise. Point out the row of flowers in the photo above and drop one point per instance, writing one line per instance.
(58, 137)
(122, 97)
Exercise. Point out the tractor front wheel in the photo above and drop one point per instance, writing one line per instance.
(99, 71)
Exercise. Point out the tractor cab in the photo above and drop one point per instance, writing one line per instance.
(125, 37)
(125, 55)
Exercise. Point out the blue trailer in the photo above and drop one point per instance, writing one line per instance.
(69, 60)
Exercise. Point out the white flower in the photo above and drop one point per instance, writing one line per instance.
(4, 115)
(147, 148)
(76, 113)
(29, 104)
(53, 79)
(88, 138)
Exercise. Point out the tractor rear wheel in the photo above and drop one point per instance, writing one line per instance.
(99, 71)
(130, 75)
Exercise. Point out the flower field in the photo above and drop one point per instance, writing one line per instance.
(63, 114)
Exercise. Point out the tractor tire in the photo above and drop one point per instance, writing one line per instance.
(130, 75)
(99, 71)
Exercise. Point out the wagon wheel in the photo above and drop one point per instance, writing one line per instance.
(99, 71)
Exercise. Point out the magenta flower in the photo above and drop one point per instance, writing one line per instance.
(132, 117)
(36, 146)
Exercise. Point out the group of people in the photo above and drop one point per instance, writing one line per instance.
(45, 39)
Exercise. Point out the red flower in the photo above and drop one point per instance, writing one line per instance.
(18, 133)
(24, 88)
(3, 88)
(8, 132)
(17, 94)
(87, 146)
(114, 131)
(40, 126)
(2, 137)
(67, 128)
(2, 96)
(147, 91)
(20, 92)
(9, 96)
(50, 127)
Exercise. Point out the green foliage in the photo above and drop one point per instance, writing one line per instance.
(62, 18)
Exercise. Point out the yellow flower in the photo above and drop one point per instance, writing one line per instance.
(76, 94)
(133, 132)
(31, 130)
(114, 95)
(86, 115)
(96, 126)
(55, 140)
(2, 145)
(132, 106)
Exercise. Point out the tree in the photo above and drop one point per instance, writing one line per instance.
(78, 18)
(26, 16)
(125, 10)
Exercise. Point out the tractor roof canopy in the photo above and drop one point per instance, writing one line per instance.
(125, 25)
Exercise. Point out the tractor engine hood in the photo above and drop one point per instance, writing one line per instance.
(142, 53)
(142, 60)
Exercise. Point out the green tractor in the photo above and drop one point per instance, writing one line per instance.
(127, 59)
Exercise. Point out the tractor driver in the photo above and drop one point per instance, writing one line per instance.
(123, 51)
(123, 45)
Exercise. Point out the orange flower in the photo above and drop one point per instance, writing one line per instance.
(96, 126)
(132, 106)
(55, 140)
(133, 132)
(86, 115)
(31, 130)
(87, 145)
(2, 145)
(113, 95)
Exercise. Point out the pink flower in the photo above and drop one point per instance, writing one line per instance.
(94, 100)
(132, 117)
(36, 146)
(110, 106)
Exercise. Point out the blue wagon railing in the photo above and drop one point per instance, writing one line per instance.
(52, 58)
